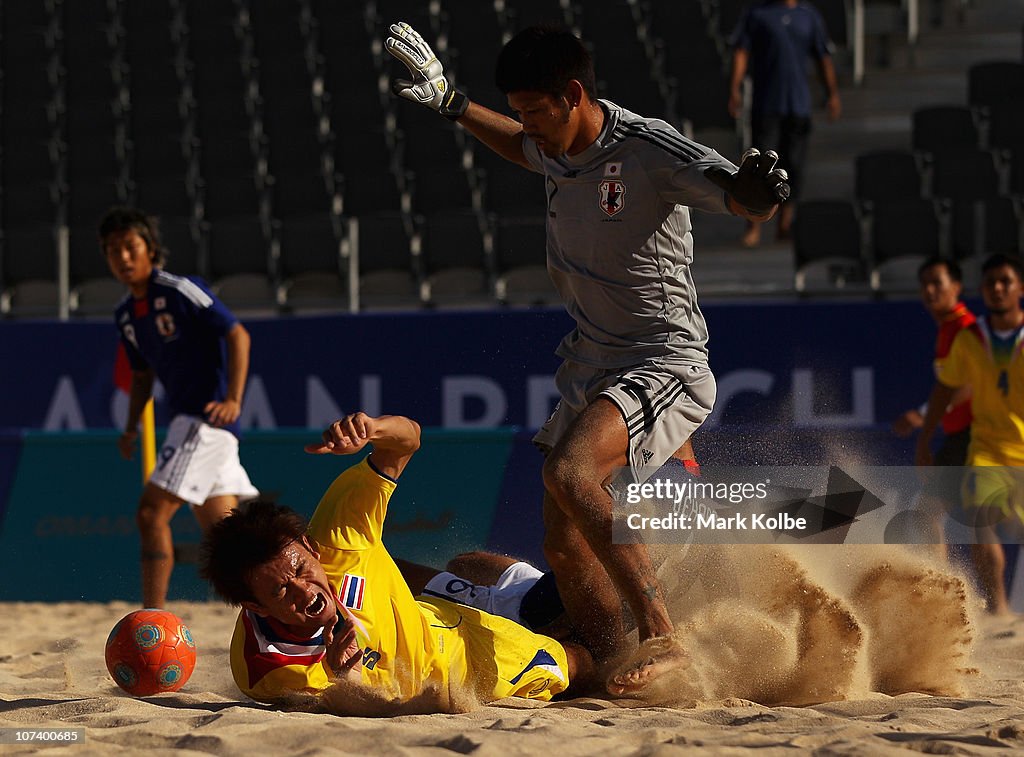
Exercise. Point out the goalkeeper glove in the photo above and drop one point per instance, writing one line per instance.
(428, 86)
(758, 185)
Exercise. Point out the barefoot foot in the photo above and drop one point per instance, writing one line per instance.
(652, 659)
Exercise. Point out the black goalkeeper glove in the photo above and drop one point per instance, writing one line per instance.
(758, 185)
(428, 86)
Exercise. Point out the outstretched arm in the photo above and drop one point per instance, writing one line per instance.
(428, 86)
(395, 439)
(502, 134)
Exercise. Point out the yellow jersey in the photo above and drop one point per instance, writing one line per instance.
(408, 643)
(994, 369)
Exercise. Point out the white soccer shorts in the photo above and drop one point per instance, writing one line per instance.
(198, 461)
(504, 598)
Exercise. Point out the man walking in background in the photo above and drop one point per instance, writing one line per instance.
(772, 42)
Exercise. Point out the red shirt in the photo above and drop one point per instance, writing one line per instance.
(957, 417)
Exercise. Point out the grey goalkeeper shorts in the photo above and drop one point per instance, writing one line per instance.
(662, 405)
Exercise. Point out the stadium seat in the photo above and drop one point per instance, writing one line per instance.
(903, 233)
(968, 174)
(181, 238)
(248, 294)
(1006, 124)
(994, 82)
(1017, 172)
(623, 68)
(443, 188)
(389, 274)
(313, 292)
(983, 227)
(96, 298)
(456, 260)
(31, 299)
(228, 195)
(302, 194)
(29, 273)
(430, 142)
(367, 168)
(96, 158)
(160, 155)
(943, 127)
(310, 244)
(277, 28)
(170, 195)
(350, 56)
(314, 273)
(510, 190)
(237, 245)
(30, 161)
(886, 175)
(474, 32)
(523, 14)
(31, 120)
(88, 198)
(520, 253)
(86, 259)
(28, 81)
(29, 205)
(827, 239)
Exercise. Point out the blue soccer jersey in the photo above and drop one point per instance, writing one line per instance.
(178, 330)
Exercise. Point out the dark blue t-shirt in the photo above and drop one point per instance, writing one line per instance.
(779, 40)
(178, 330)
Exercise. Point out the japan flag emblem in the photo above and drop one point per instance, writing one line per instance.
(612, 194)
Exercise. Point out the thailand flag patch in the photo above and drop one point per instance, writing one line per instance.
(351, 594)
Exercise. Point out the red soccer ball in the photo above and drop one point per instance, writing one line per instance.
(150, 652)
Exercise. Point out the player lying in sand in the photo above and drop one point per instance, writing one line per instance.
(325, 604)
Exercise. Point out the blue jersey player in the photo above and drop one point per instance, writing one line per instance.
(173, 328)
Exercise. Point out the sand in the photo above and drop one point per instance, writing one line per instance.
(841, 652)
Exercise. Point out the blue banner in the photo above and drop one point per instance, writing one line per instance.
(794, 365)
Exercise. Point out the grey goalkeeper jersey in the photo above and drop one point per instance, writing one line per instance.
(619, 246)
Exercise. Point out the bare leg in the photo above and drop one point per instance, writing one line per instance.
(416, 576)
(785, 228)
(575, 475)
(482, 568)
(214, 510)
(591, 602)
(583, 678)
(752, 236)
(156, 508)
(990, 562)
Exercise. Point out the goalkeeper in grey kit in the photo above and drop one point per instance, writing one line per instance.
(635, 382)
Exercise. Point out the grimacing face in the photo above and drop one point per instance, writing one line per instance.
(292, 588)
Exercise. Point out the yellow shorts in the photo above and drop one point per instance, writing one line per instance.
(995, 480)
(502, 658)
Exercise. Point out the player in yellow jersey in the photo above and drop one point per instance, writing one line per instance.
(325, 603)
(987, 356)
